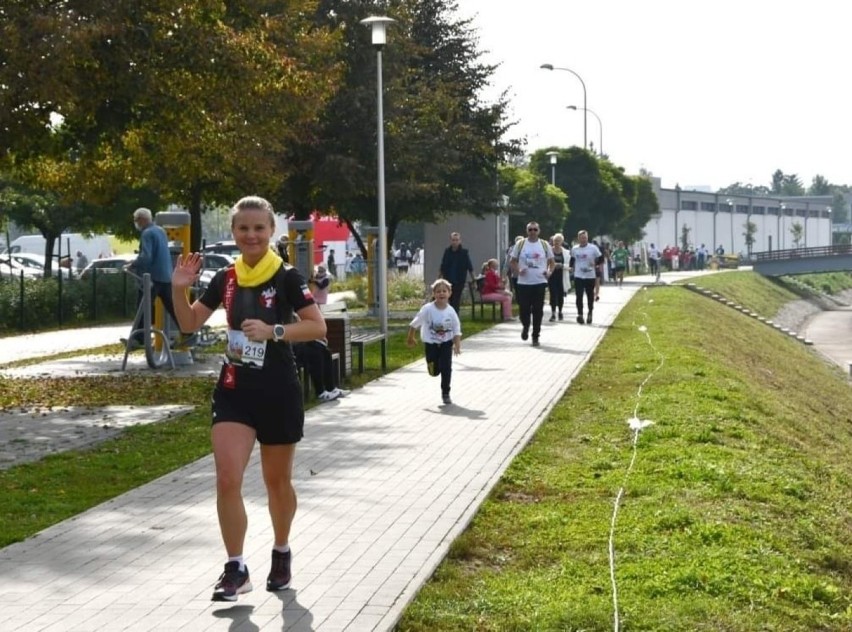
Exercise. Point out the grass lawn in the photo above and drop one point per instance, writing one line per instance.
(737, 514)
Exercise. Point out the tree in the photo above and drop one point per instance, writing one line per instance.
(604, 201)
(820, 186)
(750, 231)
(839, 210)
(194, 101)
(797, 233)
(443, 144)
(532, 198)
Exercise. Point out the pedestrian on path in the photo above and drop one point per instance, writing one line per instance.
(258, 395)
(532, 258)
(456, 267)
(556, 280)
(440, 331)
(585, 261)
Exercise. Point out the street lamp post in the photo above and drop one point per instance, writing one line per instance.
(807, 215)
(600, 126)
(781, 212)
(553, 155)
(582, 83)
(715, 213)
(830, 227)
(378, 26)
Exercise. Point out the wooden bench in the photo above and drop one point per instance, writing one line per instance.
(360, 339)
(476, 299)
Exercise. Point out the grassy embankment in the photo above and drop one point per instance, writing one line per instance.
(737, 514)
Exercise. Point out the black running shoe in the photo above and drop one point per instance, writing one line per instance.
(231, 583)
(589, 319)
(536, 343)
(279, 573)
(580, 319)
(525, 333)
(446, 399)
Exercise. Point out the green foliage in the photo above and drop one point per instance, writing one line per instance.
(532, 198)
(98, 298)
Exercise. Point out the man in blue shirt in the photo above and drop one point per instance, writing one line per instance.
(155, 259)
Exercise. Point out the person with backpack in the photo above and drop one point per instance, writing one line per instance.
(532, 260)
(258, 396)
(403, 258)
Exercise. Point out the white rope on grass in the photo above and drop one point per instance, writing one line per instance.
(636, 426)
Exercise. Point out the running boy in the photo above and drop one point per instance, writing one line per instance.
(440, 331)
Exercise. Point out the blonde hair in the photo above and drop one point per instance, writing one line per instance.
(253, 203)
(439, 282)
(558, 237)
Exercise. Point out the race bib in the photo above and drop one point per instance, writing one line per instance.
(243, 351)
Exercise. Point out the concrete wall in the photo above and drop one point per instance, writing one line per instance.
(484, 238)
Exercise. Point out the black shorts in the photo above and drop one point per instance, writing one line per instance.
(619, 268)
(277, 418)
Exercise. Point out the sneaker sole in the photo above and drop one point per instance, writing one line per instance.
(270, 588)
(245, 588)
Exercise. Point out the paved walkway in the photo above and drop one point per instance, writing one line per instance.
(387, 478)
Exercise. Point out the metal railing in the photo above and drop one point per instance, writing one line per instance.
(801, 253)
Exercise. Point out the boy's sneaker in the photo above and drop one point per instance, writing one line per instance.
(231, 583)
(339, 392)
(279, 573)
(446, 399)
(327, 396)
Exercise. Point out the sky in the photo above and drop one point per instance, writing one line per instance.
(701, 94)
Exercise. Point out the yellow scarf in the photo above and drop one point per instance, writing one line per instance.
(260, 273)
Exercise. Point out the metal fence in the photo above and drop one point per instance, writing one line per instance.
(35, 304)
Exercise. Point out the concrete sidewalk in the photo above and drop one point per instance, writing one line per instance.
(387, 478)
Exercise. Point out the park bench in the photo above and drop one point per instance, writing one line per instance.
(476, 299)
(360, 339)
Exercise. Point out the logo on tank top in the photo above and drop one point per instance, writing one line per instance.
(267, 298)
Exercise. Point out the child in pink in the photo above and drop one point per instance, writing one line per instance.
(494, 288)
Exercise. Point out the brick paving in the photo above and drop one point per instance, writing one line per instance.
(387, 478)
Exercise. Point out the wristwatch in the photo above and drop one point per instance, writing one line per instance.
(278, 332)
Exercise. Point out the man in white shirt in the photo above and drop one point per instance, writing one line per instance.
(532, 261)
(584, 262)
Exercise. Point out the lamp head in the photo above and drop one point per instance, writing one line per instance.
(553, 155)
(572, 107)
(547, 66)
(378, 26)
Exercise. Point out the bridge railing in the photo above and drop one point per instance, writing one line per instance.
(800, 253)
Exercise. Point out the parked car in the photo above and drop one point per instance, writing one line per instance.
(35, 262)
(107, 265)
(210, 264)
(11, 268)
(222, 247)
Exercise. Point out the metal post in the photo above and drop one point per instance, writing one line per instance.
(383, 235)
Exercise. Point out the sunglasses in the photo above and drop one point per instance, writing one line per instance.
(532, 230)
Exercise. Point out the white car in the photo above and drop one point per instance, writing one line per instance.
(210, 264)
(34, 262)
(107, 265)
(11, 268)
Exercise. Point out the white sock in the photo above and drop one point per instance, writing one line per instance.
(238, 558)
(282, 549)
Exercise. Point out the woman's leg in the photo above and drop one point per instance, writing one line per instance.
(232, 446)
(277, 464)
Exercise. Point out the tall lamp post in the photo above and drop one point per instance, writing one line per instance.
(781, 212)
(554, 156)
(378, 26)
(600, 126)
(582, 83)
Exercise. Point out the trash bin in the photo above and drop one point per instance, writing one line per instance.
(339, 335)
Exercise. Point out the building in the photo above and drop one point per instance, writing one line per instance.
(714, 219)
